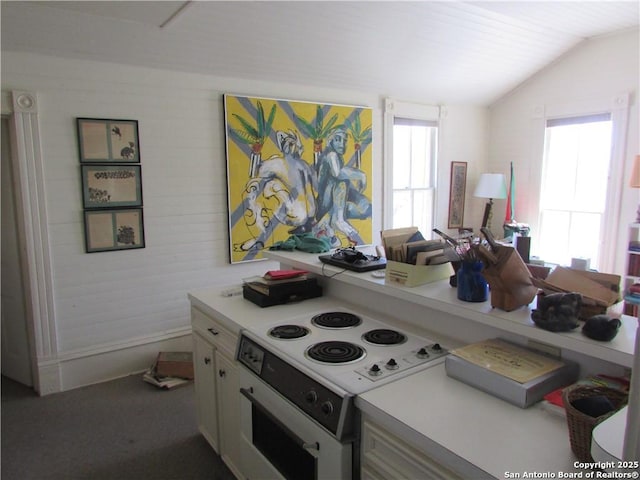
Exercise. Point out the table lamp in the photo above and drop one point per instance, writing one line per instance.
(635, 181)
(490, 185)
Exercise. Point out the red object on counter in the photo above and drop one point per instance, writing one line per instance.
(283, 274)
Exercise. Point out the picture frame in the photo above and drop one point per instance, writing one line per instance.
(106, 140)
(274, 149)
(109, 186)
(457, 188)
(113, 229)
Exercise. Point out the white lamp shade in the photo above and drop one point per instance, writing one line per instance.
(491, 185)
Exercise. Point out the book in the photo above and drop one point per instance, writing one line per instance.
(507, 359)
(284, 274)
(166, 383)
(265, 285)
(508, 371)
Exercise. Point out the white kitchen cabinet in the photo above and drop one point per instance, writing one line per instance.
(384, 455)
(205, 387)
(217, 387)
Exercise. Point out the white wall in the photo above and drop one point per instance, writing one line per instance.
(598, 70)
(114, 310)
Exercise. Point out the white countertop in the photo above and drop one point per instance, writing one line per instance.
(608, 438)
(442, 297)
(473, 432)
(236, 313)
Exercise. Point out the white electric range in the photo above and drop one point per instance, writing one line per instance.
(300, 378)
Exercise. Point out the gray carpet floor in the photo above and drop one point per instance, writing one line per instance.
(124, 429)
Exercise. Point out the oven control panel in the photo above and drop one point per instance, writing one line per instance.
(251, 355)
(316, 400)
(390, 366)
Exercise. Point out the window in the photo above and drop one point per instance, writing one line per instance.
(414, 151)
(411, 140)
(574, 190)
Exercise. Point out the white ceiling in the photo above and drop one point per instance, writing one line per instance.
(433, 51)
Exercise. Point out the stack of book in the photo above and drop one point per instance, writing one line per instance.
(408, 245)
(280, 286)
(263, 284)
(170, 370)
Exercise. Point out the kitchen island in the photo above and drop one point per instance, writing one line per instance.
(455, 430)
(467, 431)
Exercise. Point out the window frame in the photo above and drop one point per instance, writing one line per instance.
(409, 111)
(618, 108)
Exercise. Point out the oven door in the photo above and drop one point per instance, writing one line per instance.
(281, 442)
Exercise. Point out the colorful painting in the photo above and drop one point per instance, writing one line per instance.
(296, 168)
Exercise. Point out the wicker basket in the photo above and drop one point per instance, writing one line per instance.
(581, 425)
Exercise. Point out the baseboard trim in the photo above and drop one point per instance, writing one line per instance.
(78, 368)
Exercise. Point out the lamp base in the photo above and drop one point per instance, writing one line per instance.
(488, 214)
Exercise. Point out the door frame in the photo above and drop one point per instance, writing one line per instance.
(33, 237)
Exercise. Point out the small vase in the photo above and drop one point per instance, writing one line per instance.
(472, 286)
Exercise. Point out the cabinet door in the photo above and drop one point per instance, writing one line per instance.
(229, 412)
(386, 456)
(205, 388)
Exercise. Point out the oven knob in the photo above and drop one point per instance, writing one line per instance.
(311, 397)
(391, 364)
(374, 371)
(436, 347)
(422, 353)
(327, 408)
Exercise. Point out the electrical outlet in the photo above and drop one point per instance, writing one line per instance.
(544, 348)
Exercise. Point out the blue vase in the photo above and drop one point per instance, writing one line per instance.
(472, 286)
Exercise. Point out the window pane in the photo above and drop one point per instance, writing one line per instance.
(591, 180)
(420, 165)
(574, 188)
(554, 243)
(414, 150)
(423, 210)
(401, 156)
(585, 237)
(402, 209)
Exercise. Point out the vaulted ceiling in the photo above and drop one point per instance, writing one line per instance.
(434, 51)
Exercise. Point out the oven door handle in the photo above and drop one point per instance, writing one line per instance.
(301, 443)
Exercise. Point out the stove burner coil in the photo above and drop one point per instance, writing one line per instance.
(383, 336)
(336, 320)
(288, 332)
(335, 352)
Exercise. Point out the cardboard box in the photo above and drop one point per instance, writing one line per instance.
(553, 374)
(175, 364)
(600, 291)
(408, 275)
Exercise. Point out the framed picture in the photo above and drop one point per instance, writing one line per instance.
(102, 140)
(108, 186)
(117, 229)
(457, 189)
(296, 167)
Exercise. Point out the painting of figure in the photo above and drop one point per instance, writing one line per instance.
(296, 168)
